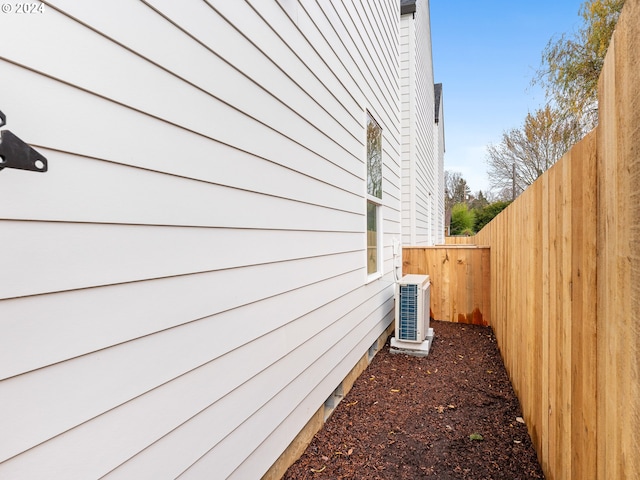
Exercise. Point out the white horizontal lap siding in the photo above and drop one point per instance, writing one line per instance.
(116, 194)
(439, 149)
(192, 364)
(419, 194)
(218, 438)
(280, 428)
(138, 139)
(337, 28)
(251, 467)
(407, 85)
(119, 313)
(343, 352)
(426, 158)
(188, 278)
(210, 114)
(100, 378)
(126, 254)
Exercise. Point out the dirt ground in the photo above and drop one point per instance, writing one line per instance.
(451, 415)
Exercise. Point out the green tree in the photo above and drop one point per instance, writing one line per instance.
(478, 200)
(571, 65)
(487, 213)
(527, 152)
(462, 220)
(455, 188)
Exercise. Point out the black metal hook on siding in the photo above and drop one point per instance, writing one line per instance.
(14, 153)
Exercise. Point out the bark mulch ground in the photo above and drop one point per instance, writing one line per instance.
(451, 415)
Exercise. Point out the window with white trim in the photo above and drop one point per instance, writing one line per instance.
(374, 197)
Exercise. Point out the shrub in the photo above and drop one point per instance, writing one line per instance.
(462, 219)
(486, 214)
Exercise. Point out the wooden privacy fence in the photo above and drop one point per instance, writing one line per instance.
(457, 240)
(459, 280)
(543, 262)
(565, 286)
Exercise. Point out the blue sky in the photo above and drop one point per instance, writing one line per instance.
(485, 54)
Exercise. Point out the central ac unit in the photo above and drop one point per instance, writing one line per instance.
(412, 332)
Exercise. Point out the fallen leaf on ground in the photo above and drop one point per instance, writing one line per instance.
(440, 408)
(476, 436)
(394, 390)
(519, 419)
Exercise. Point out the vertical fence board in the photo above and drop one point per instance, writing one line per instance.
(538, 413)
(610, 346)
(545, 433)
(551, 333)
(607, 426)
(630, 144)
(578, 402)
(565, 298)
(584, 328)
(618, 334)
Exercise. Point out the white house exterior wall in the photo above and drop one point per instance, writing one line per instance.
(407, 114)
(187, 284)
(420, 192)
(438, 133)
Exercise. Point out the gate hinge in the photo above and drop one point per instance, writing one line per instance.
(14, 153)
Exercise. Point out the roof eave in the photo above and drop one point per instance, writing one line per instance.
(407, 7)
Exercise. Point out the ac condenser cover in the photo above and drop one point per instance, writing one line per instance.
(412, 331)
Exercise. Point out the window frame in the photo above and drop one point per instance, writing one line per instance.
(372, 199)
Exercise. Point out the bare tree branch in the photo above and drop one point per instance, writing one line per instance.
(526, 153)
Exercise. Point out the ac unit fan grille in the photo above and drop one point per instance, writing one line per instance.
(408, 324)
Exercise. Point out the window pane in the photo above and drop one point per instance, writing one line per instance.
(374, 158)
(372, 238)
